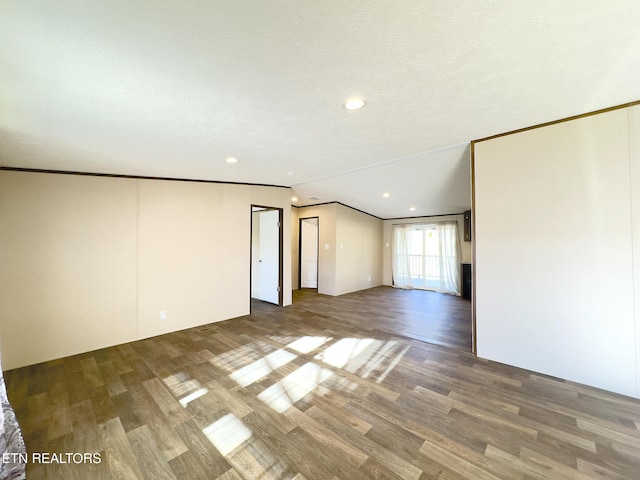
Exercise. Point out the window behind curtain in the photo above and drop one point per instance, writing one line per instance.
(426, 256)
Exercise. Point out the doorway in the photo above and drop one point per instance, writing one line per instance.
(266, 254)
(308, 248)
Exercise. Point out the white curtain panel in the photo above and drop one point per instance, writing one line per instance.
(400, 256)
(449, 246)
(426, 256)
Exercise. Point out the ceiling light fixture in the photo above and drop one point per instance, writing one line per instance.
(231, 160)
(413, 209)
(294, 199)
(354, 104)
(386, 194)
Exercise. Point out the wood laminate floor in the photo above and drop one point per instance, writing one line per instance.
(317, 390)
(419, 314)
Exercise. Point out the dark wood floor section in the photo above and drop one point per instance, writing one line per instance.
(317, 390)
(419, 314)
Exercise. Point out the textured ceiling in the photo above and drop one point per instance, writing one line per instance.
(167, 88)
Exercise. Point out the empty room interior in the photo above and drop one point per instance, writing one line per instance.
(330, 240)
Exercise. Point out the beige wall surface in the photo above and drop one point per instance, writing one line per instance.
(87, 262)
(358, 250)
(555, 233)
(67, 265)
(465, 247)
(294, 248)
(634, 157)
(183, 261)
(326, 244)
(234, 236)
(349, 250)
(255, 251)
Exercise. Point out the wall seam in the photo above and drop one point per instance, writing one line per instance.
(137, 258)
(634, 242)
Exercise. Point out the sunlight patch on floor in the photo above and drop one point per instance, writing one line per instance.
(239, 357)
(227, 434)
(338, 354)
(307, 343)
(295, 386)
(184, 387)
(262, 367)
(257, 362)
(392, 365)
(192, 396)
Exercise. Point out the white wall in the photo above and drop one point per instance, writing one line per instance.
(555, 248)
(294, 247)
(358, 250)
(67, 265)
(255, 252)
(634, 167)
(349, 250)
(465, 247)
(89, 262)
(326, 244)
(183, 260)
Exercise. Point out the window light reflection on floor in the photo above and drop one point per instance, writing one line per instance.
(365, 357)
(338, 354)
(182, 385)
(262, 367)
(192, 396)
(392, 365)
(227, 434)
(295, 386)
(237, 358)
(276, 397)
(382, 354)
(307, 343)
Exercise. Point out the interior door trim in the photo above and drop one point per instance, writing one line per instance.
(300, 251)
(280, 251)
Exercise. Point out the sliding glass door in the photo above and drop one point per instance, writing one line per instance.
(426, 256)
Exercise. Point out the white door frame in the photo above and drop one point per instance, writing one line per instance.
(280, 250)
(300, 251)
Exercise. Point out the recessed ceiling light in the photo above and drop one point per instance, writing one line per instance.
(290, 174)
(413, 209)
(354, 104)
(386, 194)
(231, 160)
(294, 199)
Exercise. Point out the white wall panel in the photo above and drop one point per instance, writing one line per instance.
(327, 244)
(349, 250)
(634, 154)
(67, 265)
(553, 266)
(88, 262)
(358, 250)
(234, 234)
(181, 259)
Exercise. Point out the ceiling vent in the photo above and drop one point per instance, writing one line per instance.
(313, 197)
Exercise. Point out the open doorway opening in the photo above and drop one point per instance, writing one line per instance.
(308, 253)
(266, 254)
